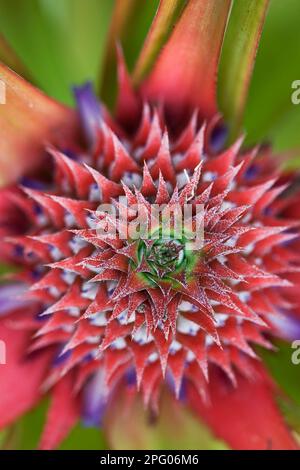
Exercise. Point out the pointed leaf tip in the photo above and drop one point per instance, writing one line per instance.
(184, 76)
(123, 16)
(62, 415)
(128, 106)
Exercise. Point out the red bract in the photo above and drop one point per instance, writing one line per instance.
(106, 304)
(101, 312)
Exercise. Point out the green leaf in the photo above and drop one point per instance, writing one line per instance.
(61, 42)
(3, 439)
(10, 58)
(292, 414)
(82, 28)
(30, 34)
(165, 18)
(287, 376)
(270, 113)
(282, 369)
(238, 57)
(83, 438)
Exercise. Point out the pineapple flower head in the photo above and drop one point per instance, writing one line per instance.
(148, 256)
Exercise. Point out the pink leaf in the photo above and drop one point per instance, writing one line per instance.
(20, 377)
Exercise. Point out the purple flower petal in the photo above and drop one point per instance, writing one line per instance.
(94, 400)
(171, 385)
(288, 326)
(218, 138)
(10, 297)
(89, 109)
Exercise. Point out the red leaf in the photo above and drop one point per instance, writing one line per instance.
(20, 377)
(245, 416)
(184, 77)
(62, 415)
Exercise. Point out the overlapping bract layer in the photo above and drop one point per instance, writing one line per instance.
(97, 298)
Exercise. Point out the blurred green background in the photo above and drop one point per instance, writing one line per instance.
(62, 43)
